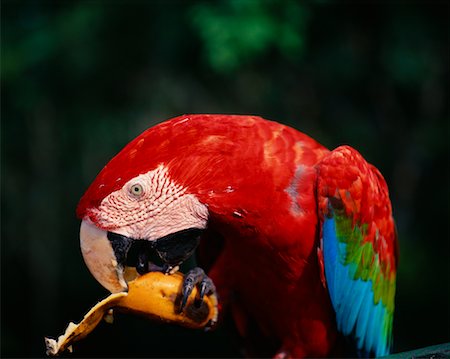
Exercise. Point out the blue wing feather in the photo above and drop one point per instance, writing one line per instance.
(330, 252)
(357, 314)
(363, 318)
(352, 311)
(358, 248)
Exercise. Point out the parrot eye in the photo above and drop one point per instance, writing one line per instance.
(136, 190)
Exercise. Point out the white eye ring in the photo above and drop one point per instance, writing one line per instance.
(136, 190)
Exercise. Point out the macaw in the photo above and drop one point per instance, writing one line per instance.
(298, 241)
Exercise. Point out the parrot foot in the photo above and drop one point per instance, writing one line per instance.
(196, 277)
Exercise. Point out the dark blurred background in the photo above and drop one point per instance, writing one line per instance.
(81, 79)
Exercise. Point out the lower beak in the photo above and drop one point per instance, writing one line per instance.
(100, 258)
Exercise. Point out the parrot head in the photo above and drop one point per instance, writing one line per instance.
(135, 201)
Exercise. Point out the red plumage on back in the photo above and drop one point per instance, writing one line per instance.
(258, 180)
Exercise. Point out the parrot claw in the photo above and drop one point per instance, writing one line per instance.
(193, 278)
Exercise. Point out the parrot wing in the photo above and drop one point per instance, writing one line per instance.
(359, 250)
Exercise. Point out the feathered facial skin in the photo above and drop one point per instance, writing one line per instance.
(299, 241)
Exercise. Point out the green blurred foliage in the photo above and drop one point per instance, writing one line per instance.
(81, 79)
(236, 33)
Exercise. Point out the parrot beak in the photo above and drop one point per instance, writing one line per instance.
(100, 258)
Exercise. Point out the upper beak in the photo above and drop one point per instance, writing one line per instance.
(100, 258)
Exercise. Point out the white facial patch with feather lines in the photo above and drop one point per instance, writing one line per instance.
(150, 206)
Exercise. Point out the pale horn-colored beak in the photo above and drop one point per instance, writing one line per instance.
(99, 257)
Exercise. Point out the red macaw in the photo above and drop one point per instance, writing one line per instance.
(297, 240)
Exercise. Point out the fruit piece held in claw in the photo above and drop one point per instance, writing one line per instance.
(154, 295)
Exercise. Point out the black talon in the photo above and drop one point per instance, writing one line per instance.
(188, 286)
(195, 277)
(199, 300)
(206, 287)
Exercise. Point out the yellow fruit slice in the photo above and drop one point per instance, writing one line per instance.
(154, 295)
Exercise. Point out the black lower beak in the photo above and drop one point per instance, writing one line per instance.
(175, 248)
(121, 245)
(172, 249)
